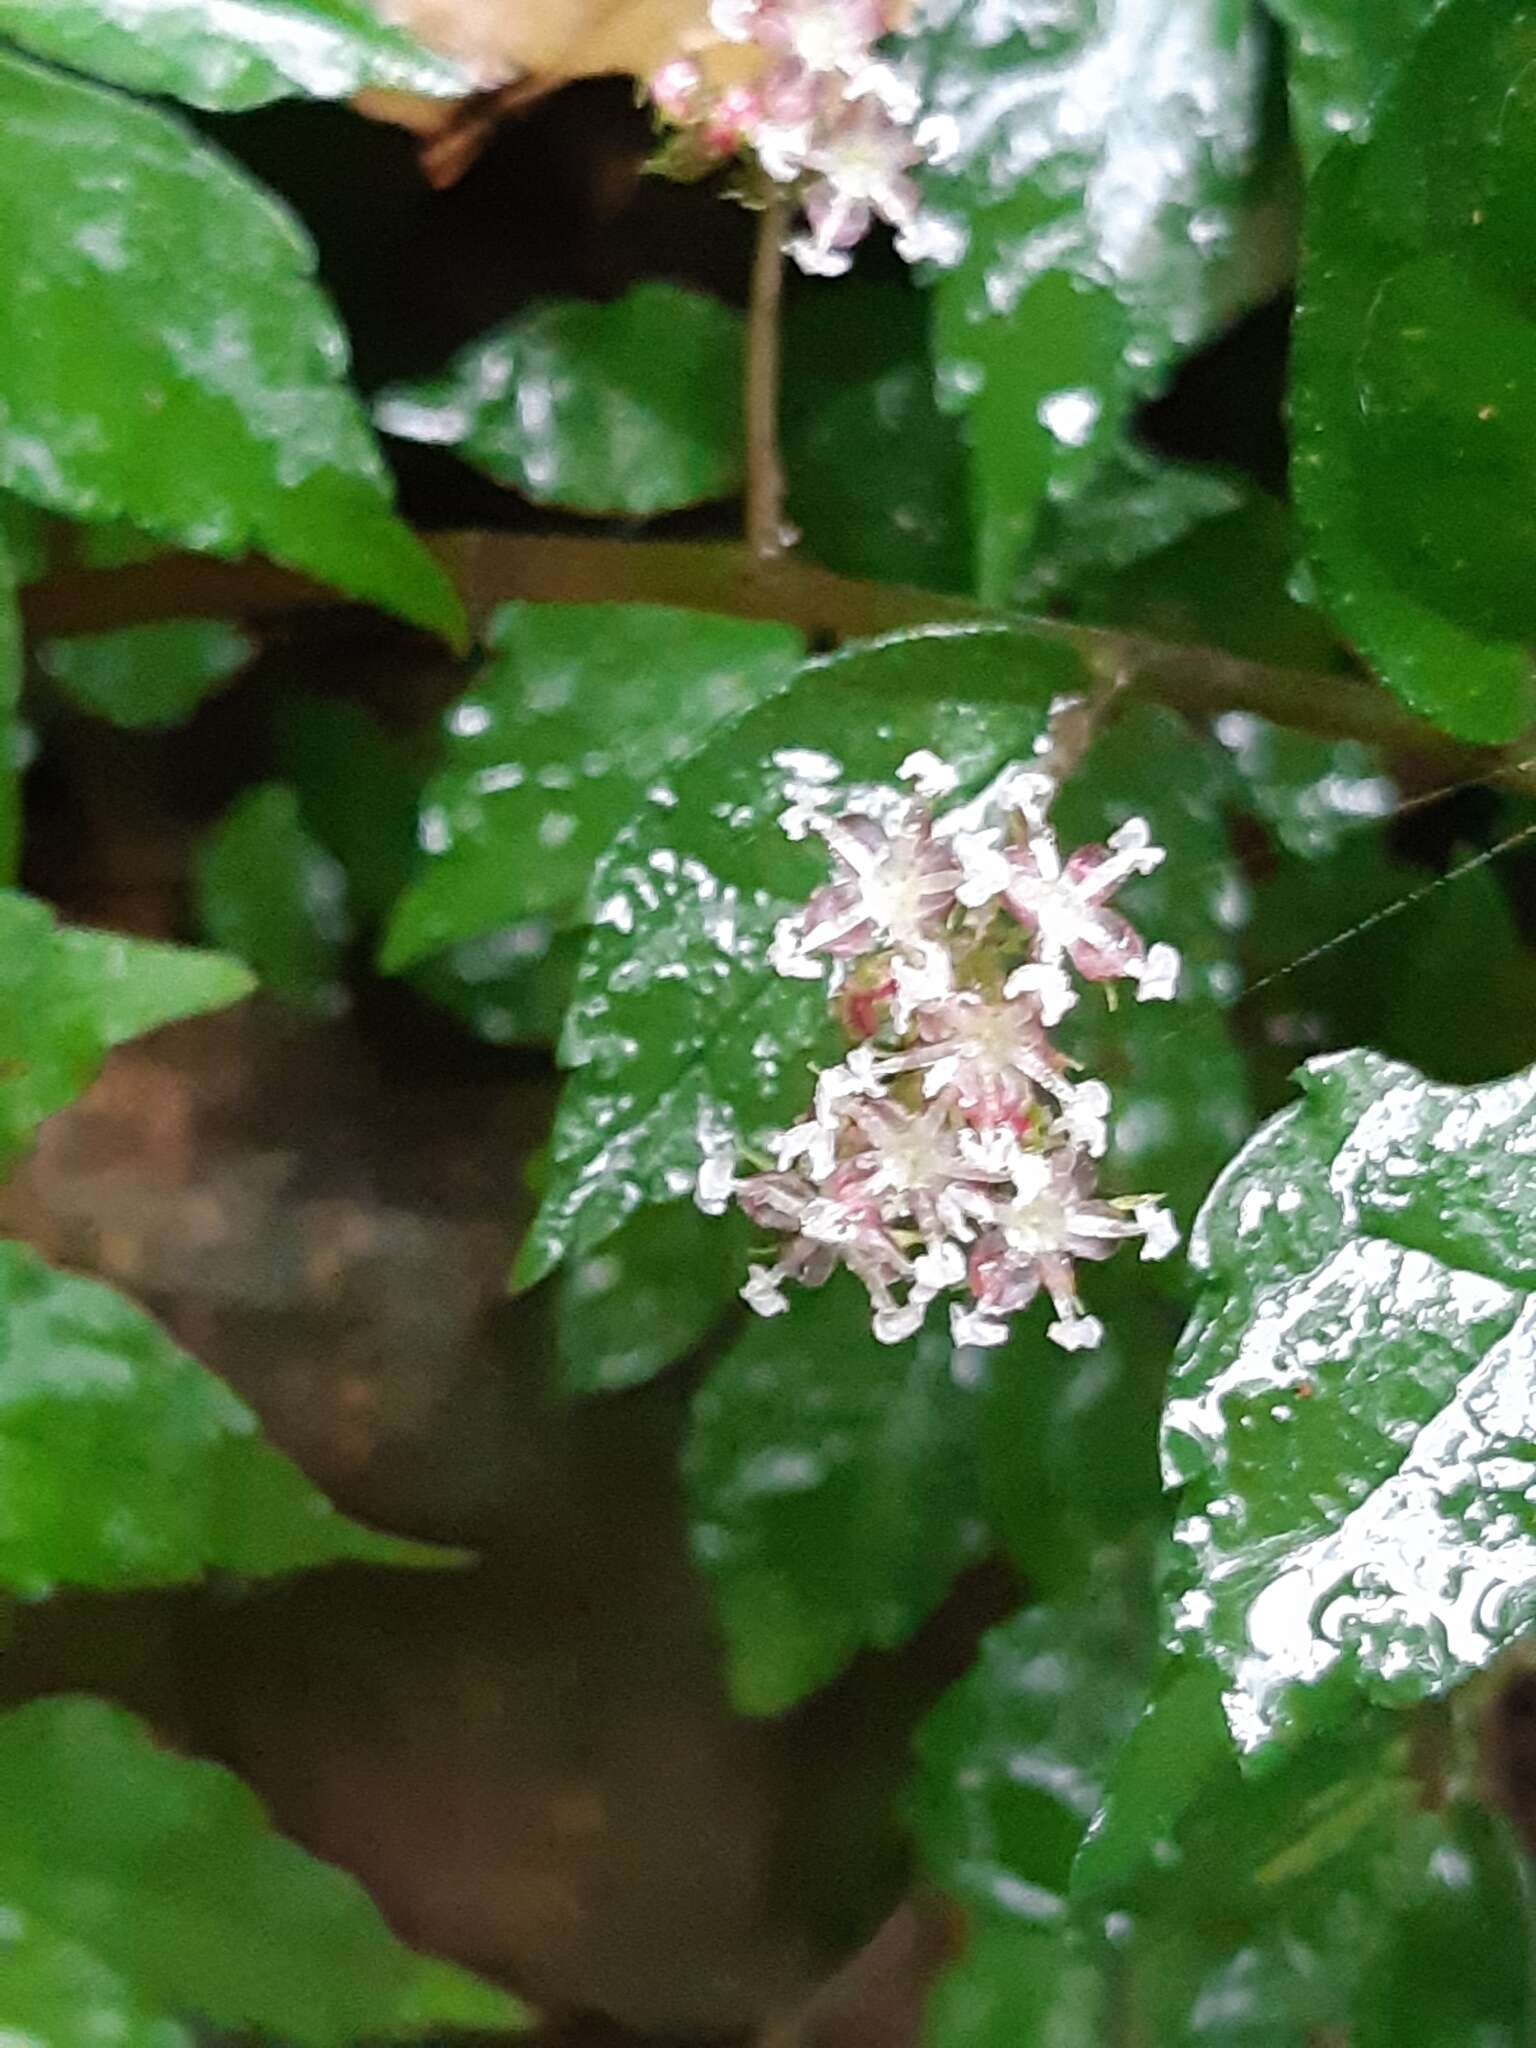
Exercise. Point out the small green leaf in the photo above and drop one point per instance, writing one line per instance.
(11, 660)
(358, 790)
(1451, 1970)
(633, 406)
(53, 1990)
(24, 535)
(1344, 56)
(124, 1463)
(1415, 327)
(269, 893)
(1181, 1100)
(166, 357)
(833, 1489)
(1018, 1988)
(228, 59)
(148, 675)
(1351, 1412)
(1012, 1761)
(513, 987)
(1069, 1444)
(1137, 506)
(678, 1020)
(1315, 795)
(1177, 1747)
(1097, 162)
(876, 471)
(1228, 578)
(650, 1296)
(147, 1885)
(551, 748)
(67, 996)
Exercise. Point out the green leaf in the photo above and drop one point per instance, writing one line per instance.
(651, 1295)
(148, 675)
(1417, 319)
(24, 535)
(1228, 579)
(1069, 1445)
(11, 660)
(1014, 1988)
(1452, 1970)
(1316, 796)
(166, 357)
(1011, 1763)
(513, 987)
(633, 406)
(228, 59)
(678, 1020)
(1351, 1410)
(1344, 56)
(124, 1463)
(876, 471)
(67, 996)
(149, 1885)
(54, 1990)
(1096, 160)
(833, 1490)
(358, 790)
(1181, 1101)
(268, 892)
(1179, 1744)
(1136, 507)
(549, 751)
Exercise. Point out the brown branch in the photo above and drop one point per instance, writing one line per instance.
(490, 568)
(765, 469)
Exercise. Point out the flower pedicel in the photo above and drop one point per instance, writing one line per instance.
(951, 1151)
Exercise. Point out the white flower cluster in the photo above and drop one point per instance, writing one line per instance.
(952, 1150)
(822, 114)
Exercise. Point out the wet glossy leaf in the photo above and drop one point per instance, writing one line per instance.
(358, 789)
(125, 1463)
(513, 987)
(1344, 55)
(1415, 428)
(167, 1881)
(148, 675)
(1096, 154)
(548, 752)
(268, 892)
(1315, 795)
(230, 58)
(633, 406)
(1231, 579)
(11, 735)
(1016, 1988)
(1351, 1411)
(1012, 1761)
(1136, 507)
(67, 996)
(652, 1294)
(833, 1491)
(1180, 1743)
(1450, 1970)
(24, 533)
(52, 1989)
(167, 358)
(678, 1019)
(876, 471)
(1181, 1100)
(1069, 1444)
